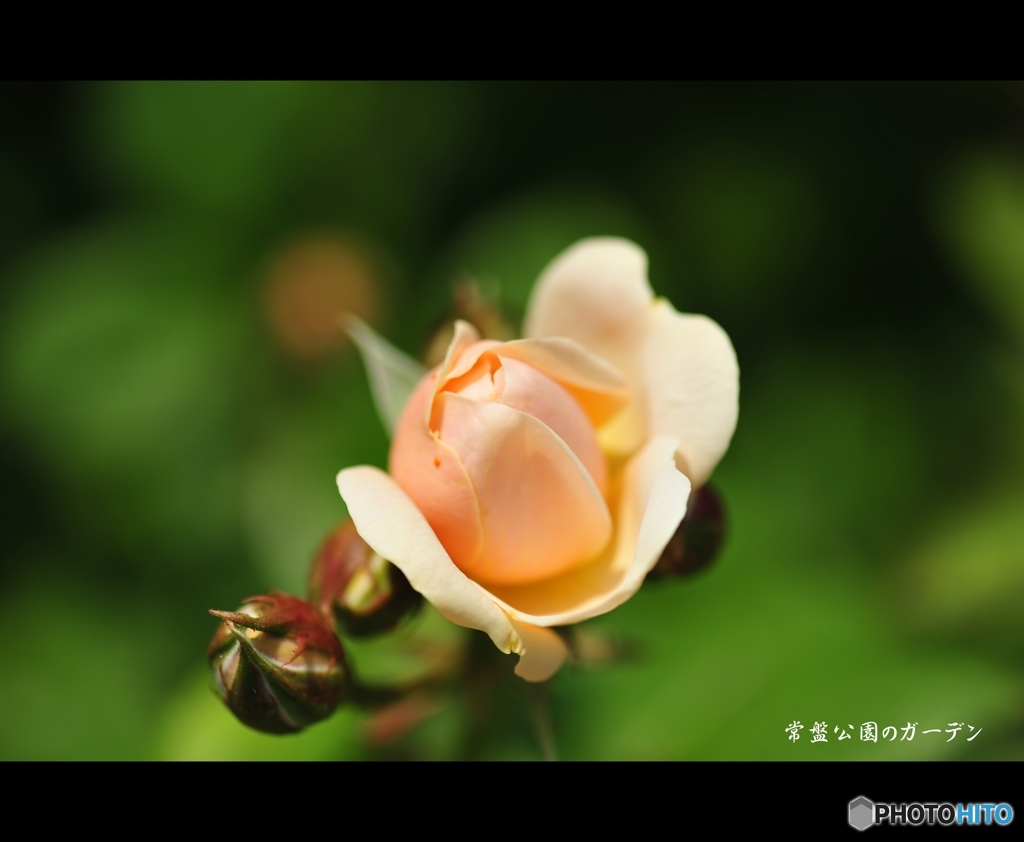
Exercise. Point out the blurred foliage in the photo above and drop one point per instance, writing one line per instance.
(983, 215)
(164, 450)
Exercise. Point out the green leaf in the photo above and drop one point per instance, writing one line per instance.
(392, 374)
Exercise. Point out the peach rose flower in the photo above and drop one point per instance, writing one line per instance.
(535, 483)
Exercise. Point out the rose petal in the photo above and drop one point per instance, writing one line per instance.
(483, 382)
(541, 511)
(542, 653)
(465, 335)
(652, 502)
(466, 359)
(692, 387)
(626, 431)
(433, 476)
(682, 368)
(391, 524)
(528, 390)
(597, 386)
(595, 292)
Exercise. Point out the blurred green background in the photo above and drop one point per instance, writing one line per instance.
(174, 408)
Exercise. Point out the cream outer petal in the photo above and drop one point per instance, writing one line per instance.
(682, 368)
(391, 524)
(596, 293)
(652, 503)
(693, 387)
(544, 652)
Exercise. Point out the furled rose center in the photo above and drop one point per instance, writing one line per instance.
(505, 466)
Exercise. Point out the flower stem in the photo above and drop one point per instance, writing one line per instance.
(540, 716)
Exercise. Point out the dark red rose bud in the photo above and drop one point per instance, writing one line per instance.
(277, 664)
(361, 592)
(697, 540)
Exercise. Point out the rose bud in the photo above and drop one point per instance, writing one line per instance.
(533, 484)
(357, 589)
(277, 664)
(503, 459)
(698, 539)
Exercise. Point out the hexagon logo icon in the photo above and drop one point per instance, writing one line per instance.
(862, 813)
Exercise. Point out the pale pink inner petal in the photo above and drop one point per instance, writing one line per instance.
(467, 359)
(598, 387)
(649, 500)
(541, 511)
(431, 473)
(466, 337)
(478, 382)
(529, 391)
